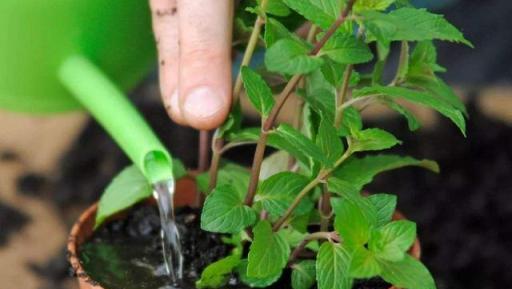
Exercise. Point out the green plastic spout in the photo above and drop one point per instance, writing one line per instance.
(110, 107)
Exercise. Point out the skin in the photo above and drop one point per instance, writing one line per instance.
(194, 49)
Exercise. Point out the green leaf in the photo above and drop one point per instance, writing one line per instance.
(364, 264)
(361, 171)
(310, 121)
(276, 7)
(178, 169)
(328, 141)
(303, 274)
(292, 140)
(255, 10)
(363, 5)
(253, 281)
(232, 123)
(403, 65)
(292, 236)
(229, 174)
(126, 189)
(257, 91)
(341, 187)
(320, 94)
(352, 122)
(419, 97)
(423, 61)
(290, 56)
(355, 217)
(321, 12)
(217, 273)
(278, 192)
(333, 72)
(408, 273)
(411, 24)
(275, 163)
(224, 211)
(385, 205)
(345, 48)
(373, 139)
(438, 88)
(275, 31)
(275, 140)
(391, 241)
(412, 121)
(268, 254)
(301, 222)
(332, 267)
(403, 3)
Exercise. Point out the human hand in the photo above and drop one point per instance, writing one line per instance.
(194, 47)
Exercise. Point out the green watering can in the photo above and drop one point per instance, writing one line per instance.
(62, 55)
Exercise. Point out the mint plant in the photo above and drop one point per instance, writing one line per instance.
(307, 195)
(302, 207)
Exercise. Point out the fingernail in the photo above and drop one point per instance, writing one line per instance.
(173, 109)
(203, 102)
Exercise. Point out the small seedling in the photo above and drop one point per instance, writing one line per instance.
(307, 196)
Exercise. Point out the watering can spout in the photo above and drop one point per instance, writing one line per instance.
(109, 106)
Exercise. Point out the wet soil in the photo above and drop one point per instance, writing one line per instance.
(126, 253)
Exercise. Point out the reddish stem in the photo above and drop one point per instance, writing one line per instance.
(289, 88)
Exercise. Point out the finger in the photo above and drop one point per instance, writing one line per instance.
(205, 61)
(165, 27)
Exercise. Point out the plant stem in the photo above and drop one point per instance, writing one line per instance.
(311, 33)
(297, 124)
(256, 166)
(321, 177)
(290, 86)
(403, 63)
(204, 150)
(311, 237)
(217, 146)
(356, 100)
(324, 207)
(249, 52)
(342, 94)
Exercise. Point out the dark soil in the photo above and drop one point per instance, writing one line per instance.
(33, 185)
(55, 269)
(126, 253)
(11, 221)
(8, 156)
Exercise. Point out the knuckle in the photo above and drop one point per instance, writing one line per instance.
(200, 53)
(163, 8)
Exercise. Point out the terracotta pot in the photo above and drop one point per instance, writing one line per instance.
(185, 196)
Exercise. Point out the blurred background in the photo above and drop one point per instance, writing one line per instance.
(51, 168)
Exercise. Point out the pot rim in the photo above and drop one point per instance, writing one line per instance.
(82, 230)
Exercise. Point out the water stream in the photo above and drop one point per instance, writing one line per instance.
(163, 192)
